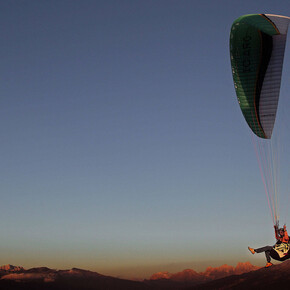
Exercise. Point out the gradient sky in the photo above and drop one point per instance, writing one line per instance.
(123, 148)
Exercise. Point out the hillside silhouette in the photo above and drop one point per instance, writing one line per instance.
(275, 277)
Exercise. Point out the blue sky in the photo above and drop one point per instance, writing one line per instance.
(122, 143)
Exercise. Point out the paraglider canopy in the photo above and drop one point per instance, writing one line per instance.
(257, 44)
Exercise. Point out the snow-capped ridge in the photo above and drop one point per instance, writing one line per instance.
(211, 273)
(11, 268)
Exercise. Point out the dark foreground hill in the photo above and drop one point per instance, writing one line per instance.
(74, 279)
(275, 277)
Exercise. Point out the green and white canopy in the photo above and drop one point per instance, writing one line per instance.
(257, 44)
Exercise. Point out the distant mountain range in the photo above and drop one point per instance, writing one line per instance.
(74, 279)
(11, 268)
(243, 276)
(209, 274)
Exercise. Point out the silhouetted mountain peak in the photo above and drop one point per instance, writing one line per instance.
(79, 273)
(40, 270)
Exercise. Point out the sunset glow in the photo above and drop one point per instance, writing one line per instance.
(124, 150)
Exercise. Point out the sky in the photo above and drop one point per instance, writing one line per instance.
(123, 147)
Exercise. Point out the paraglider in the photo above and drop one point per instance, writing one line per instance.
(257, 45)
(280, 251)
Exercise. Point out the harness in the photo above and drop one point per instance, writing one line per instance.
(281, 249)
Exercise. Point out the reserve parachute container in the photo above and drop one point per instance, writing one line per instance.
(257, 45)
